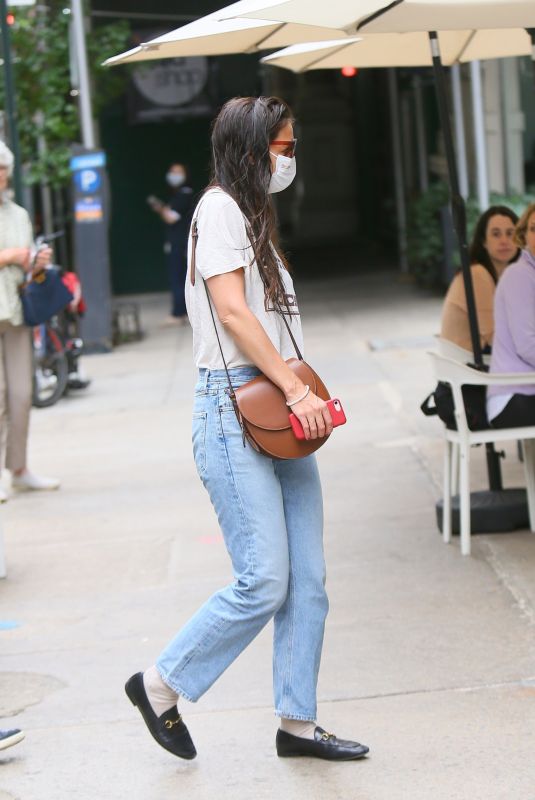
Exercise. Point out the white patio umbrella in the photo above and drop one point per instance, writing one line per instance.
(402, 16)
(210, 36)
(400, 50)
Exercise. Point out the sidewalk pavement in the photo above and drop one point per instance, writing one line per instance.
(429, 657)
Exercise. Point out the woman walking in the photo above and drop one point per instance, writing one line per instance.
(270, 511)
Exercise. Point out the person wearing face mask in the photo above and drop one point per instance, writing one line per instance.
(176, 215)
(492, 249)
(269, 510)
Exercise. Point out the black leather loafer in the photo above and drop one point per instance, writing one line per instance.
(168, 730)
(323, 745)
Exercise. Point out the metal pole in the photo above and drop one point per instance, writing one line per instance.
(421, 143)
(458, 207)
(46, 194)
(460, 138)
(86, 114)
(479, 135)
(401, 210)
(531, 32)
(11, 106)
(504, 128)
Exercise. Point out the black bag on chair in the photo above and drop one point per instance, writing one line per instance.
(440, 403)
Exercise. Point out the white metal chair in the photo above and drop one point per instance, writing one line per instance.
(451, 350)
(457, 353)
(458, 375)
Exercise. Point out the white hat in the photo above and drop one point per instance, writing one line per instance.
(6, 157)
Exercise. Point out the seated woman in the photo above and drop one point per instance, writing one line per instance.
(514, 336)
(491, 251)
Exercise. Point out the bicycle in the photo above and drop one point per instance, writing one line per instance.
(51, 367)
(56, 345)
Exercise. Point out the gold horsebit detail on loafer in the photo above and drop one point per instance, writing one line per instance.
(326, 736)
(170, 722)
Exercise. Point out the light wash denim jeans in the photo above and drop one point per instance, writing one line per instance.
(271, 517)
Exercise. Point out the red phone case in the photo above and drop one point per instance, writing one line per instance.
(337, 415)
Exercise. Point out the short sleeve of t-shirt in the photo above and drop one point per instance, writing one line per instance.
(222, 245)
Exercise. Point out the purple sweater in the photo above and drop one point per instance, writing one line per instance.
(513, 348)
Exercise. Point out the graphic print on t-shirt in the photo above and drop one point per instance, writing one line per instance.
(287, 302)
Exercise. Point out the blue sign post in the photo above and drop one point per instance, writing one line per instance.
(91, 249)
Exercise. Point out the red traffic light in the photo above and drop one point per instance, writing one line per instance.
(349, 72)
(10, 19)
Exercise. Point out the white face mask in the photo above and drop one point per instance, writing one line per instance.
(283, 174)
(175, 179)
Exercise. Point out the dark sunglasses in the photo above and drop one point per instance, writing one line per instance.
(289, 144)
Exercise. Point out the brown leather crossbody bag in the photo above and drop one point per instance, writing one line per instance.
(259, 404)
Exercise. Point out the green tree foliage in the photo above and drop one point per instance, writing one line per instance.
(41, 63)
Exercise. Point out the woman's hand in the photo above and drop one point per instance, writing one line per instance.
(169, 215)
(42, 259)
(313, 414)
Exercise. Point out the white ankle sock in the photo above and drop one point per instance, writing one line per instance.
(298, 727)
(161, 696)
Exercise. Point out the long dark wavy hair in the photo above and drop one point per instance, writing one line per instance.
(241, 134)
(478, 252)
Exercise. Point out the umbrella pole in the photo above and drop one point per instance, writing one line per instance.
(458, 207)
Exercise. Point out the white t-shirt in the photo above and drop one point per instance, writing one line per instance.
(223, 246)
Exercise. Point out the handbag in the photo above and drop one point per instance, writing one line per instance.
(43, 296)
(474, 399)
(260, 405)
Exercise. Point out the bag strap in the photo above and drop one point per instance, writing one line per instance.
(194, 237)
(426, 407)
(290, 334)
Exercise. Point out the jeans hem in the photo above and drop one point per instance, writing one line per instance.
(299, 717)
(174, 686)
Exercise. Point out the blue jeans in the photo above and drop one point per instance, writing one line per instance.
(271, 517)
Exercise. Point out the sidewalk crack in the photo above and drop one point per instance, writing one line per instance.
(520, 600)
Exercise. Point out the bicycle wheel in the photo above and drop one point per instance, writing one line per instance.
(51, 371)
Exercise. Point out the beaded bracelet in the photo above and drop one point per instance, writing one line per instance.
(305, 394)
